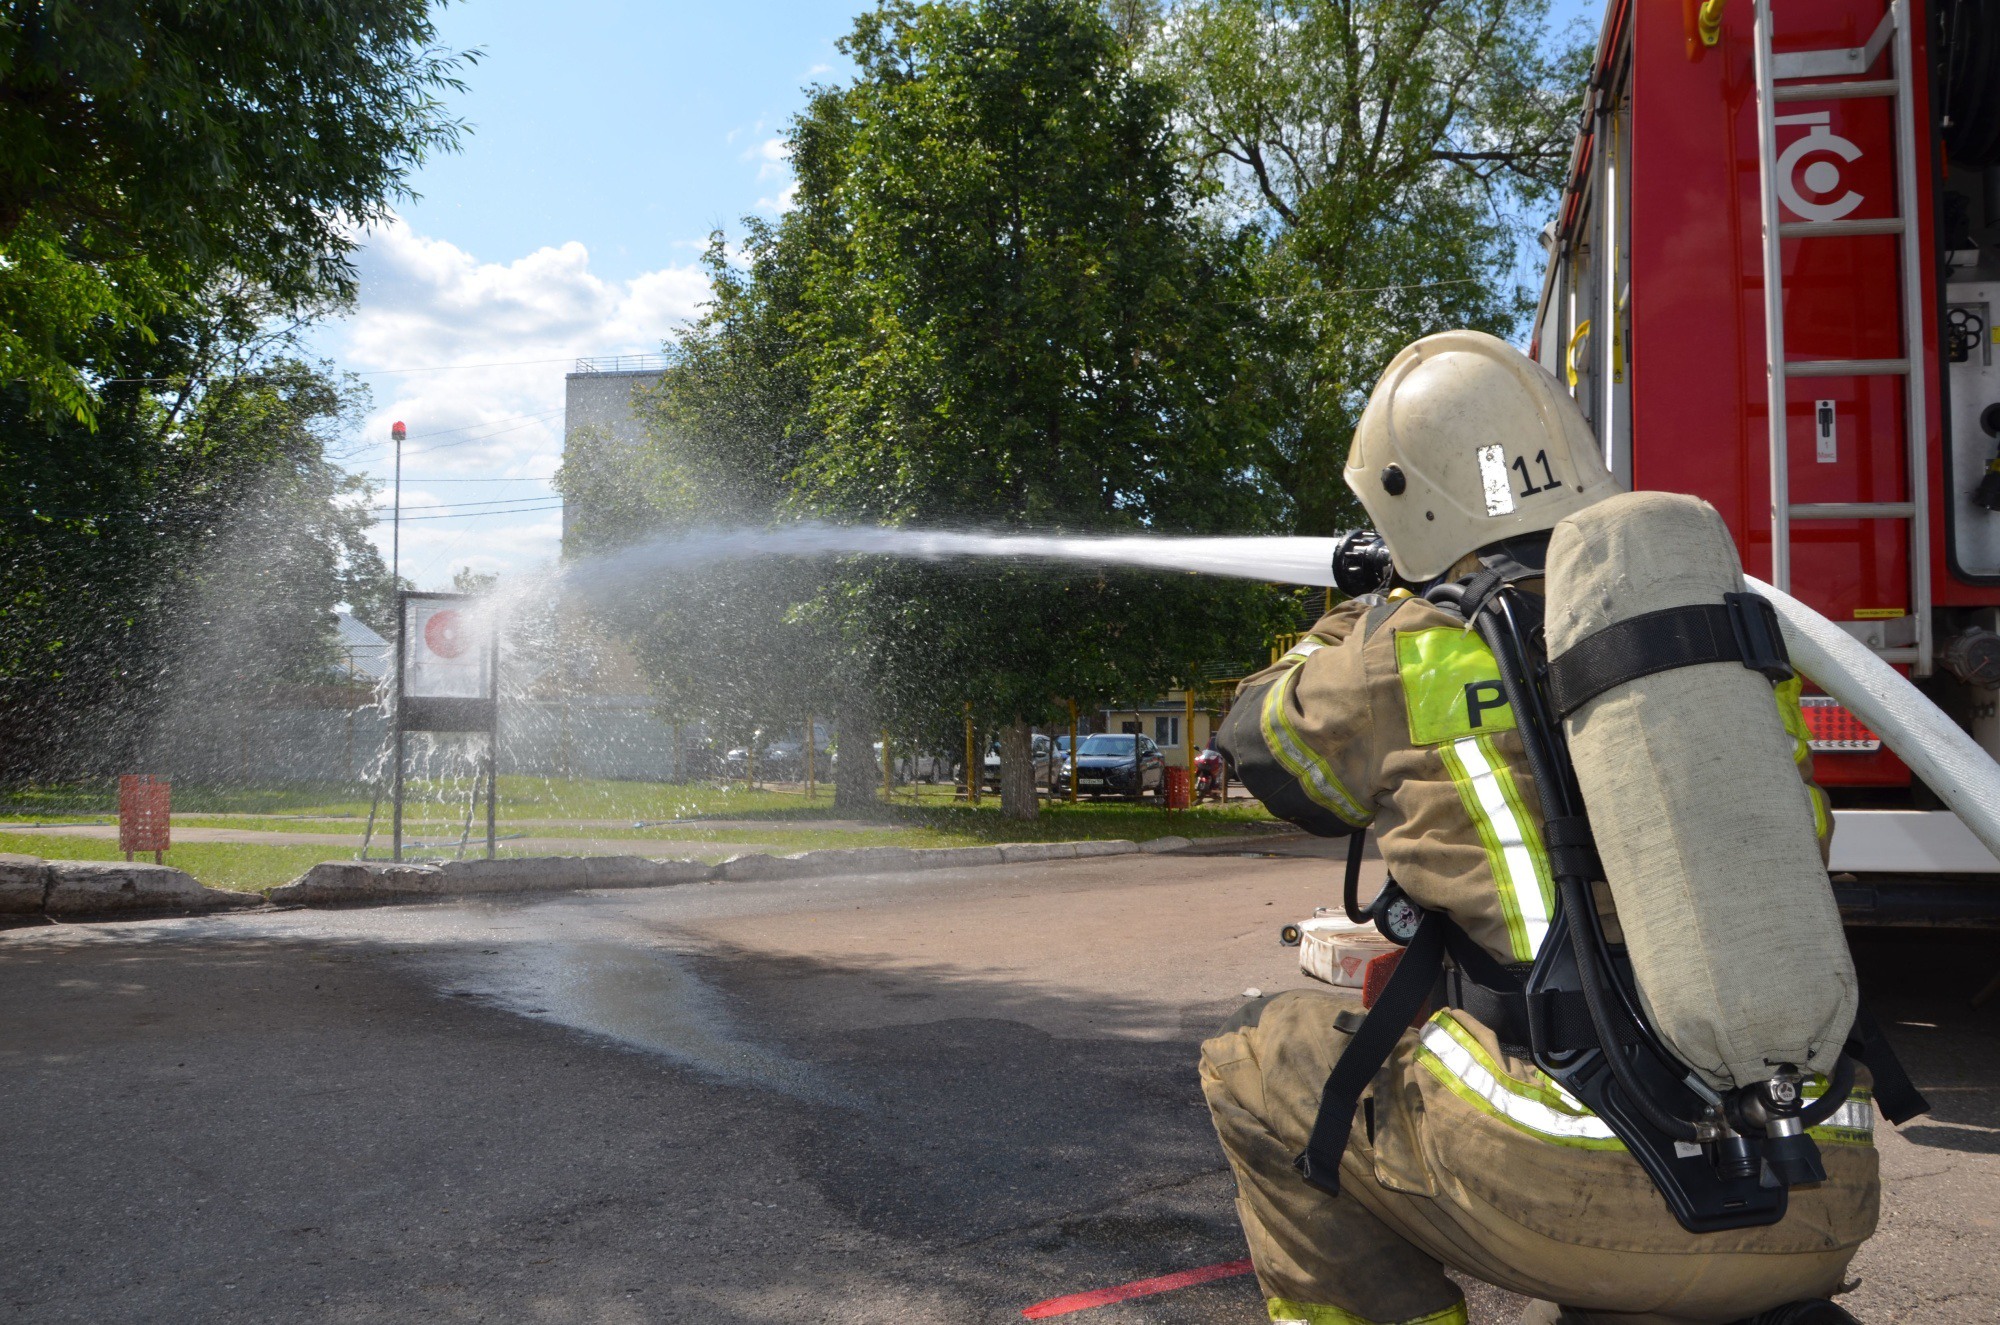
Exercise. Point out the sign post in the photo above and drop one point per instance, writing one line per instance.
(447, 680)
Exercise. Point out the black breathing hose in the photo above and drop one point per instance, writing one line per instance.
(1350, 891)
(1838, 1087)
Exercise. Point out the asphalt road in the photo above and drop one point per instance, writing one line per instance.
(920, 1098)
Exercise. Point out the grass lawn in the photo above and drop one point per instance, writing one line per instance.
(242, 866)
(525, 796)
(656, 819)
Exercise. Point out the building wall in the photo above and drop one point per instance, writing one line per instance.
(1163, 720)
(597, 406)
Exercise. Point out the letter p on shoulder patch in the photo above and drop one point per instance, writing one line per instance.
(1451, 685)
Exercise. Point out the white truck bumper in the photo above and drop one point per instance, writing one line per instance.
(1906, 842)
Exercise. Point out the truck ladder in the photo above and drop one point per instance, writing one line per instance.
(1795, 76)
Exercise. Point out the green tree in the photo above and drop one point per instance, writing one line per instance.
(193, 547)
(733, 646)
(466, 580)
(284, 538)
(1009, 315)
(181, 185)
(146, 145)
(1388, 151)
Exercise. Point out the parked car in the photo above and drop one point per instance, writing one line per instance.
(910, 767)
(1042, 752)
(1117, 764)
(785, 761)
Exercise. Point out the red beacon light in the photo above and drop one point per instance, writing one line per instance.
(397, 432)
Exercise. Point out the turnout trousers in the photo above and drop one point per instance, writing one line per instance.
(1466, 1158)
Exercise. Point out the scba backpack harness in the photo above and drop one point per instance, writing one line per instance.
(1722, 1140)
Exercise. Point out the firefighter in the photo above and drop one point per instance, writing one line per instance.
(1463, 1157)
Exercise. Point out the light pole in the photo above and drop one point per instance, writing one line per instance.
(397, 432)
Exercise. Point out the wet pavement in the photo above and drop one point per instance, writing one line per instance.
(937, 1097)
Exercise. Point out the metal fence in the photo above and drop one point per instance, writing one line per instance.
(622, 363)
(612, 737)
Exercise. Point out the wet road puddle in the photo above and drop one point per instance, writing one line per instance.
(641, 997)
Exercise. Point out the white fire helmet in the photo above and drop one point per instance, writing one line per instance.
(1467, 441)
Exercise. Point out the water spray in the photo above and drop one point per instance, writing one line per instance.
(1948, 760)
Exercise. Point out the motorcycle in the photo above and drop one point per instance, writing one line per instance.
(1208, 773)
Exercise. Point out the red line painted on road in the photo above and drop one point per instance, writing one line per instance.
(1166, 1283)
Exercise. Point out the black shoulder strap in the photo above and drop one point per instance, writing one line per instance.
(1394, 1010)
(1496, 572)
(1895, 1094)
(1741, 628)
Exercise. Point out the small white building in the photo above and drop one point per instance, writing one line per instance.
(364, 655)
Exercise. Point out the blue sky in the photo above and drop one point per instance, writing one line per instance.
(608, 138)
(633, 128)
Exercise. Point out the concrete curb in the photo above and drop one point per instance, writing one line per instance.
(1274, 842)
(359, 882)
(345, 882)
(30, 886)
(89, 889)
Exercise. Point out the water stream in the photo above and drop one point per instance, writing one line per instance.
(1282, 560)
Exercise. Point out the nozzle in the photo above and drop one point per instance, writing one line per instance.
(1987, 494)
(1361, 563)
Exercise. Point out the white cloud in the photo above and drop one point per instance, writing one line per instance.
(471, 356)
(788, 198)
(775, 159)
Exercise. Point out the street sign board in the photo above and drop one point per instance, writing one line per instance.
(447, 656)
(447, 678)
(447, 673)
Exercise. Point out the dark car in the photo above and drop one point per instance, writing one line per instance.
(1116, 764)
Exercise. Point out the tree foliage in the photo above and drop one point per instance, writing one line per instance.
(1389, 151)
(193, 545)
(1010, 313)
(182, 183)
(147, 145)
(1014, 317)
(995, 304)
(1086, 268)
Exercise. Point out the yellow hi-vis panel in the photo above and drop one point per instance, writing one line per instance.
(1451, 685)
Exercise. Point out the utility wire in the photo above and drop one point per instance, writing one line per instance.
(483, 423)
(458, 367)
(456, 505)
(531, 478)
(531, 421)
(366, 372)
(471, 515)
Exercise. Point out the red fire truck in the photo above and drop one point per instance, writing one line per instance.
(1773, 283)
